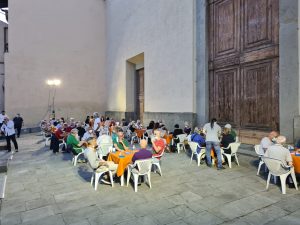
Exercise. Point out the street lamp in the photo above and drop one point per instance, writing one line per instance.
(53, 84)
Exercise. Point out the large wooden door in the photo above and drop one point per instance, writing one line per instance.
(140, 94)
(243, 63)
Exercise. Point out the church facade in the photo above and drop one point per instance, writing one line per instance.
(174, 60)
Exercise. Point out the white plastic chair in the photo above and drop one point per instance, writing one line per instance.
(143, 169)
(47, 139)
(261, 162)
(63, 144)
(98, 173)
(75, 157)
(181, 138)
(200, 155)
(104, 143)
(278, 168)
(156, 159)
(234, 148)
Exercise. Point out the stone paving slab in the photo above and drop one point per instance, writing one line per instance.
(43, 188)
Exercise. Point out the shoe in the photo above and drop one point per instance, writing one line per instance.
(201, 162)
(221, 168)
(209, 165)
(291, 185)
(17, 150)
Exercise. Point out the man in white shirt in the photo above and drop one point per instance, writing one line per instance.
(8, 128)
(97, 123)
(266, 142)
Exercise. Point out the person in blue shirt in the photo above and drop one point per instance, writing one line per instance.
(196, 137)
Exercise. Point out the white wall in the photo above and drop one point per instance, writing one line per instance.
(55, 39)
(163, 30)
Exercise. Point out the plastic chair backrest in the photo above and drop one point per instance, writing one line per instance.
(234, 147)
(149, 132)
(163, 133)
(144, 166)
(275, 166)
(182, 137)
(256, 148)
(104, 149)
(104, 139)
(193, 146)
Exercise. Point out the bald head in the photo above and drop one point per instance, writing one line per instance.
(143, 143)
(281, 139)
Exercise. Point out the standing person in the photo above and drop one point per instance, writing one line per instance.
(96, 124)
(2, 115)
(18, 121)
(8, 129)
(213, 131)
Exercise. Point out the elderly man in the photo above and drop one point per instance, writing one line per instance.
(89, 134)
(94, 161)
(277, 151)
(266, 142)
(120, 143)
(143, 153)
(8, 129)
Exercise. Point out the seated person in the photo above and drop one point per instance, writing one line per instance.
(227, 138)
(81, 130)
(158, 144)
(231, 131)
(277, 151)
(74, 143)
(96, 163)
(266, 142)
(121, 143)
(176, 132)
(151, 125)
(196, 137)
(187, 129)
(114, 134)
(89, 134)
(143, 153)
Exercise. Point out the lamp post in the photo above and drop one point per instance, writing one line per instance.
(53, 84)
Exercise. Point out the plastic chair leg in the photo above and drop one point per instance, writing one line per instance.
(149, 180)
(159, 168)
(229, 160)
(268, 181)
(198, 160)
(128, 176)
(92, 179)
(236, 160)
(178, 148)
(259, 166)
(135, 179)
(111, 178)
(283, 184)
(97, 177)
(294, 180)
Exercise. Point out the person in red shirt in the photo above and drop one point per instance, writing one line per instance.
(158, 144)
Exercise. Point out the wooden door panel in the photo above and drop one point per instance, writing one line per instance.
(226, 27)
(259, 24)
(257, 95)
(225, 95)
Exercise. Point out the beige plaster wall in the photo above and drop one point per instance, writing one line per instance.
(55, 39)
(163, 31)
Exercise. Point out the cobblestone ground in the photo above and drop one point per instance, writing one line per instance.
(43, 188)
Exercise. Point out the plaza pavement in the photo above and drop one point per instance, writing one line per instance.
(46, 189)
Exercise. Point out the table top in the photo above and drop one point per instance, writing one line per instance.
(122, 158)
